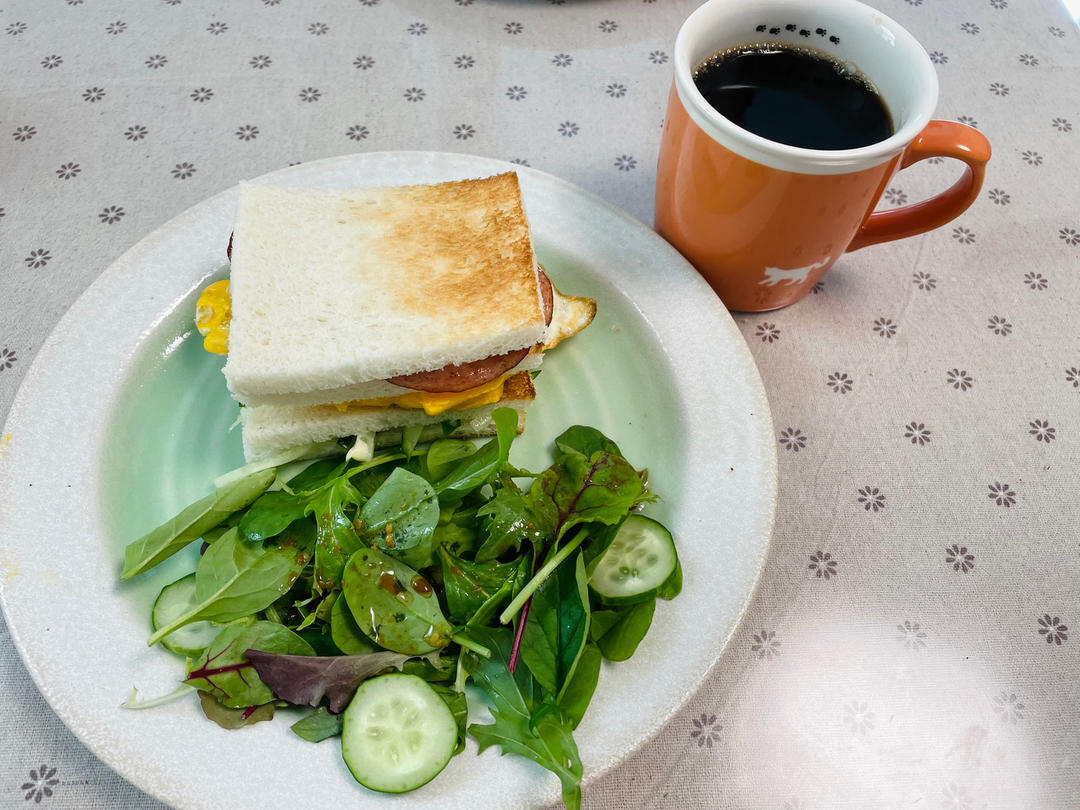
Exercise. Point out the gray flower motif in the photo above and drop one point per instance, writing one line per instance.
(516, 92)
(969, 28)
(1053, 630)
(520, 162)
(3, 213)
(309, 94)
(24, 133)
(999, 4)
(156, 61)
(1055, 31)
(792, 439)
(918, 433)
(705, 730)
(7, 358)
(658, 57)
(998, 196)
(93, 94)
(15, 28)
(117, 27)
(885, 327)
(765, 645)
(1001, 494)
(464, 61)
(1008, 708)
(261, 61)
(42, 781)
(217, 28)
(914, 2)
(38, 258)
(513, 28)
(924, 281)
(568, 129)
(959, 558)
(1070, 236)
(68, 171)
(910, 635)
(822, 564)
(248, 132)
(858, 717)
(1036, 281)
(74, 2)
(357, 132)
(999, 326)
(172, 2)
(368, 3)
(318, 29)
(1041, 430)
(414, 94)
(963, 235)
(1028, 59)
(958, 379)
(968, 120)
(52, 61)
(135, 132)
(464, 131)
(818, 287)
(625, 163)
(1032, 158)
(615, 90)
(202, 94)
(768, 332)
(1061, 125)
(871, 498)
(956, 798)
(937, 160)
(182, 171)
(364, 62)
(1072, 375)
(562, 60)
(840, 382)
(895, 196)
(111, 215)
(608, 26)
(938, 58)
(999, 89)
(417, 29)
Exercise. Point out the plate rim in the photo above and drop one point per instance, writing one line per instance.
(114, 272)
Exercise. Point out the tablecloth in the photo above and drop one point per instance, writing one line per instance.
(911, 641)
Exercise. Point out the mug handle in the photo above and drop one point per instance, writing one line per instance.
(938, 139)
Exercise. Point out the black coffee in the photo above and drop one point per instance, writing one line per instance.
(797, 96)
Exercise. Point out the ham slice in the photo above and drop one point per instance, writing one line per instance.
(463, 376)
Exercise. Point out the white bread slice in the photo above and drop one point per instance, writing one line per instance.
(368, 390)
(335, 288)
(268, 428)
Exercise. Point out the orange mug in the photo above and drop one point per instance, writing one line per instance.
(762, 221)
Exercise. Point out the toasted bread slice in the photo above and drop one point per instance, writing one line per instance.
(267, 428)
(336, 288)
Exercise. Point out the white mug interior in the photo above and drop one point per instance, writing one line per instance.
(849, 31)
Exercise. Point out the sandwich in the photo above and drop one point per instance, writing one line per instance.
(380, 312)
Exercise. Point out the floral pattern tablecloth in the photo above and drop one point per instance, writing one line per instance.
(910, 643)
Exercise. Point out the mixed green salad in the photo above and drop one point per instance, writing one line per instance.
(372, 592)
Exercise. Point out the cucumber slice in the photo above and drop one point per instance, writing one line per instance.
(173, 601)
(636, 564)
(398, 733)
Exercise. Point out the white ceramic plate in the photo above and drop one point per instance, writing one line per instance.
(122, 420)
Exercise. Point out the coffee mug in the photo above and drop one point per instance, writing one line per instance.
(762, 221)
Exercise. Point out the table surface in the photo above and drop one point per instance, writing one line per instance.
(909, 643)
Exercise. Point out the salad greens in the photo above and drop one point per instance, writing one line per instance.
(443, 562)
